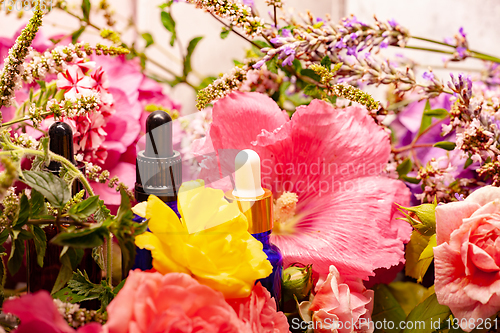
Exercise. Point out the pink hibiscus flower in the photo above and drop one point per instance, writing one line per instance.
(75, 82)
(323, 166)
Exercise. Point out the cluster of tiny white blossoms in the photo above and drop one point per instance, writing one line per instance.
(76, 316)
(25, 140)
(81, 105)
(275, 3)
(238, 14)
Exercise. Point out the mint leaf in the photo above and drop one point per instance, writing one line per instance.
(326, 62)
(190, 49)
(82, 210)
(148, 38)
(53, 188)
(88, 237)
(40, 240)
(169, 23)
(70, 259)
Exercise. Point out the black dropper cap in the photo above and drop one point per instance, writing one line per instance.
(61, 143)
(159, 166)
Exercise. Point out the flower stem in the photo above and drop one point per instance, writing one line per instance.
(25, 118)
(236, 32)
(109, 252)
(55, 157)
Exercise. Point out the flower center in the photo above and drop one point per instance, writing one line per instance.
(285, 218)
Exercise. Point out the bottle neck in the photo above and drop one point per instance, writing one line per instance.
(263, 237)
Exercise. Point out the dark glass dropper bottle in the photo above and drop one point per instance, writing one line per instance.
(158, 172)
(61, 143)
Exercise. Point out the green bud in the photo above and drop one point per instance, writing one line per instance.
(297, 282)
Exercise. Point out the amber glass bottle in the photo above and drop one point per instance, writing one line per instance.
(44, 278)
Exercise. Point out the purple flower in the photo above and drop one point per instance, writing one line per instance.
(461, 31)
(459, 197)
(248, 2)
(428, 76)
(286, 33)
(289, 60)
(340, 44)
(319, 19)
(351, 50)
(392, 22)
(384, 44)
(259, 64)
(354, 36)
(461, 51)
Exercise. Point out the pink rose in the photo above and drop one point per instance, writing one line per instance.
(38, 313)
(258, 312)
(340, 304)
(467, 258)
(175, 302)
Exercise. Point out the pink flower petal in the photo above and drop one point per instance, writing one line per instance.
(449, 217)
(484, 195)
(351, 229)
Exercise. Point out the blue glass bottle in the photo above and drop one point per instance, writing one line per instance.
(143, 258)
(273, 282)
(158, 172)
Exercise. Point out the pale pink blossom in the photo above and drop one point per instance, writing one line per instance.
(75, 82)
(467, 258)
(341, 305)
(323, 166)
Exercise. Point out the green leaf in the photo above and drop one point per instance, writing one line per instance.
(86, 9)
(125, 230)
(408, 294)
(206, 82)
(437, 113)
(468, 163)
(42, 84)
(313, 91)
(38, 205)
(414, 267)
(16, 255)
(24, 212)
(427, 314)
(190, 49)
(4, 235)
(404, 167)
(70, 259)
(82, 210)
(53, 188)
(102, 213)
(411, 180)
(40, 241)
(446, 145)
(75, 35)
(98, 256)
(428, 252)
(169, 23)
(386, 308)
(326, 62)
(311, 74)
(148, 38)
(80, 285)
(426, 120)
(224, 33)
(272, 65)
(88, 237)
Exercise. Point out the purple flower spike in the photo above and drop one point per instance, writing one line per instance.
(428, 75)
(384, 44)
(259, 64)
(289, 60)
(392, 22)
(354, 36)
(461, 51)
(286, 33)
(461, 31)
(351, 51)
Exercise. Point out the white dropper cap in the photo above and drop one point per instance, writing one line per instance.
(247, 175)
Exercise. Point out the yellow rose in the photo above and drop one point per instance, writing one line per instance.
(210, 241)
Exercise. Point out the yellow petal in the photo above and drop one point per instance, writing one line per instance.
(161, 262)
(162, 219)
(204, 208)
(140, 209)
